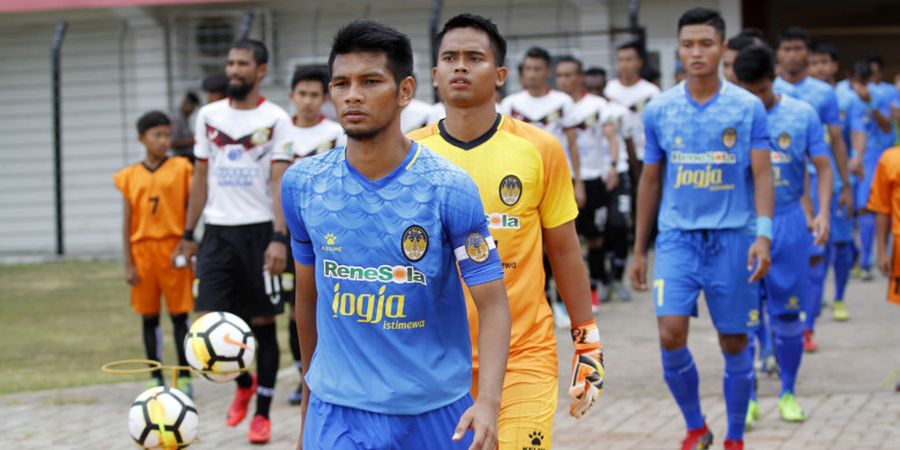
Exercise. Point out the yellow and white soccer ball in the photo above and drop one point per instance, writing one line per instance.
(163, 418)
(221, 344)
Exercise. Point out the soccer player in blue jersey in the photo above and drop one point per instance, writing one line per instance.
(707, 172)
(378, 228)
(793, 58)
(796, 138)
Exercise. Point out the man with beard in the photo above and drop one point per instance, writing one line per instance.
(241, 156)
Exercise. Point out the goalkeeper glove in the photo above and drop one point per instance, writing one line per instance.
(587, 369)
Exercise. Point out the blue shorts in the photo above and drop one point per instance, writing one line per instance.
(863, 188)
(330, 426)
(786, 283)
(712, 261)
(841, 224)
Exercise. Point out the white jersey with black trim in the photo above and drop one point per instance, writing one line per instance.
(415, 115)
(325, 135)
(634, 98)
(240, 146)
(549, 112)
(588, 117)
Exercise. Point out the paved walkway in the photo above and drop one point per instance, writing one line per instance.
(846, 389)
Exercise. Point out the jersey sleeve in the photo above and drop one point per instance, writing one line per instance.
(856, 114)
(568, 119)
(201, 142)
(506, 106)
(882, 185)
(120, 179)
(653, 152)
(281, 140)
(557, 204)
(759, 130)
(473, 246)
(815, 136)
(831, 113)
(301, 244)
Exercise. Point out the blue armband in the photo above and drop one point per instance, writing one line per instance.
(764, 227)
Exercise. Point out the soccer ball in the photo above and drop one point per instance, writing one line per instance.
(163, 418)
(222, 343)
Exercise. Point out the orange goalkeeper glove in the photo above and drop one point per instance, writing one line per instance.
(587, 369)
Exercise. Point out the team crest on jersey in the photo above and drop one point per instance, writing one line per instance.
(784, 141)
(729, 137)
(234, 154)
(261, 136)
(414, 243)
(477, 247)
(554, 116)
(679, 142)
(510, 190)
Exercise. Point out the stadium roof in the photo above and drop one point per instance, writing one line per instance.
(10, 6)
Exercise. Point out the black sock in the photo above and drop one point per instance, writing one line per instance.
(244, 380)
(294, 340)
(179, 331)
(266, 366)
(597, 264)
(618, 251)
(152, 341)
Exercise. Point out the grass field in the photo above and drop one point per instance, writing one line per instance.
(61, 321)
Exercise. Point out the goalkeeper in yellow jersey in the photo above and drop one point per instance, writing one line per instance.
(523, 178)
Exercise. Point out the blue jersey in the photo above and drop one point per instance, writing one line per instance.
(393, 334)
(852, 111)
(707, 179)
(795, 134)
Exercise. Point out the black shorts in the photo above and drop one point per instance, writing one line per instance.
(591, 221)
(619, 204)
(230, 272)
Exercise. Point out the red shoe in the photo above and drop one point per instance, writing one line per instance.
(260, 430)
(699, 439)
(595, 301)
(809, 345)
(731, 444)
(238, 409)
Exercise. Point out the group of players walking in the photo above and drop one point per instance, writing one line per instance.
(398, 241)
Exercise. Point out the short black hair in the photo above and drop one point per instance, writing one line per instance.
(649, 73)
(260, 53)
(875, 58)
(824, 48)
(369, 36)
(754, 63)
(216, 82)
(595, 71)
(538, 53)
(192, 97)
(310, 73)
(794, 34)
(753, 33)
(480, 23)
(571, 59)
(150, 120)
(740, 42)
(702, 16)
(637, 46)
(862, 69)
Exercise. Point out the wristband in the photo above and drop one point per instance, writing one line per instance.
(283, 238)
(764, 227)
(188, 235)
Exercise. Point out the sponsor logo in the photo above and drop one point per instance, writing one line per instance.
(236, 176)
(703, 158)
(234, 154)
(679, 142)
(367, 308)
(383, 273)
(706, 178)
(510, 190)
(414, 243)
(729, 137)
(502, 221)
(535, 441)
(780, 158)
(477, 247)
(753, 317)
(229, 340)
(261, 136)
(330, 240)
(784, 141)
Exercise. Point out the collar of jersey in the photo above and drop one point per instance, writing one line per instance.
(722, 85)
(777, 104)
(144, 165)
(408, 161)
(469, 145)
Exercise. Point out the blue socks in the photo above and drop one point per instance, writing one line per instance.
(866, 237)
(737, 385)
(816, 286)
(842, 254)
(788, 331)
(684, 383)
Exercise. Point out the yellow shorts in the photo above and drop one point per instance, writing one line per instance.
(157, 275)
(526, 409)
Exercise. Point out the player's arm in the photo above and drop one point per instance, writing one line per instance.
(881, 204)
(648, 198)
(305, 315)
(882, 228)
(806, 201)
(575, 159)
(821, 222)
(276, 252)
(612, 136)
(764, 196)
(839, 149)
(130, 272)
(188, 247)
(858, 144)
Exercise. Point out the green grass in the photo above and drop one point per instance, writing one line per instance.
(61, 321)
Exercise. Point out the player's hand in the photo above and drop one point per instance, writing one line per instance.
(189, 250)
(481, 418)
(586, 383)
(856, 167)
(131, 276)
(845, 199)
(760, 252)
(820, 229)
(612, 179)
(884, 263)
(275, 258)
(638, 272)
(580, 196)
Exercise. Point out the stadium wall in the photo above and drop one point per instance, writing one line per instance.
(119, 63)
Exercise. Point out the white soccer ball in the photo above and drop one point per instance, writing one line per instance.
(163, 418)
(222, 343)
